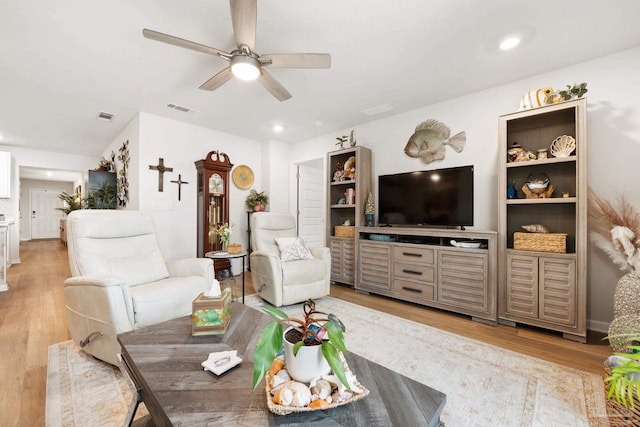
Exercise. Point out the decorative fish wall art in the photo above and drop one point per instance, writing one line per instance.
(429, 140)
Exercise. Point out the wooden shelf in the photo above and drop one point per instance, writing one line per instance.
(548, 161)
(550, 200)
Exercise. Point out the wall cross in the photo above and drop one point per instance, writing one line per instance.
(161, 168)
(180, 182)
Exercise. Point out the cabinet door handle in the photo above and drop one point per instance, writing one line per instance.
(412, 254)
(417, 273)
(418, 291)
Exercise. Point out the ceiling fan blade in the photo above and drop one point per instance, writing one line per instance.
(272, 85)
(177, 41)
(244, 17)
(218, 80)
(299, 60)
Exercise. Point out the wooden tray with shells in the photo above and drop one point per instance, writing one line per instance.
(562, 146)
(280, 406)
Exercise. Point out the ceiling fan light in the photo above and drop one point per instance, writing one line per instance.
(245, 67)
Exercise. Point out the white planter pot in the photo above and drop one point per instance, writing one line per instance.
(307, 365)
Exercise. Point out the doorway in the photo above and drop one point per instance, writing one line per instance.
(45, 217)
(310, 203)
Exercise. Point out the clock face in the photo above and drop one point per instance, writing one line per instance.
(216, 184)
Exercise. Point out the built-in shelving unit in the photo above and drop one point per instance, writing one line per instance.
(538, 288)
(343, 247)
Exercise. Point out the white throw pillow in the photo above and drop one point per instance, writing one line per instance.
(292, 249)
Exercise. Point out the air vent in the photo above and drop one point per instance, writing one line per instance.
(377, 110)
(105, 116)
(179, 108)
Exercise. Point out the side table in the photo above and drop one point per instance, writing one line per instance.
(226, 255)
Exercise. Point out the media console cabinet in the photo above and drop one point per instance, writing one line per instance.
(421, 265)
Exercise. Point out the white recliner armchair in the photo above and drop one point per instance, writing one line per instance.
(121, 281)
(286, 282)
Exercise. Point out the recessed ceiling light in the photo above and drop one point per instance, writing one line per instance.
(277, 128)
(509, 42)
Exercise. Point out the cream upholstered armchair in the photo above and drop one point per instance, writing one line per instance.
(121, 281)
(283, 270)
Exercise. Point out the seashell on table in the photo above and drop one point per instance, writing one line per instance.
(562, 146)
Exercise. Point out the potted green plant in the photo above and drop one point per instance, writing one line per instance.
(72, 202)
(623, 381)
(316, 330)
(256, 201)
(103, 198)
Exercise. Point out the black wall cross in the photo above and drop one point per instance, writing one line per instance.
(180, 182)
(161, 168)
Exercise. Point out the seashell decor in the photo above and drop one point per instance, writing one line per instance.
(535, 228)
(563, 146)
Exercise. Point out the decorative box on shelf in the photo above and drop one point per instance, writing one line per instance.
(234, 248)
(211, 316)
(543, 242)
(345, 231)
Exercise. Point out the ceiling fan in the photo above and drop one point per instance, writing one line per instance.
(246, 64)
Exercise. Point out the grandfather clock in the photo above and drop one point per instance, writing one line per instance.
(213, 203)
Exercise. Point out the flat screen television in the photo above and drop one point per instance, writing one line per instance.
(440, 197)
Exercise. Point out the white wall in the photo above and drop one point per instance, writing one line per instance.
(613, 138)
(181, 145)
(277, 176)
(130, 133)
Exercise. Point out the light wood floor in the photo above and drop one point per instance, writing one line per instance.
(32, 317)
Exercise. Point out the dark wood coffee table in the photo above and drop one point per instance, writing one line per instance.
(164, 363)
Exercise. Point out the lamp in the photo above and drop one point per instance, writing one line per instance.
(245, 67)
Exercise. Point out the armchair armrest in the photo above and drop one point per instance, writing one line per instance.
(191, 267)
(263, 262)
(320, 252)
(104, 298)
(93, 281)
(266, 271)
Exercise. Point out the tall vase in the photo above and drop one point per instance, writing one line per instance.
(626, 311)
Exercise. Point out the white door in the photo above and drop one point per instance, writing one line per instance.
(310, 203)
(45, 218)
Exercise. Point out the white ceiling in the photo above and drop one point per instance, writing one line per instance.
(62, 62)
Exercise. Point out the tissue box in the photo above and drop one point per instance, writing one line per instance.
(211, 316)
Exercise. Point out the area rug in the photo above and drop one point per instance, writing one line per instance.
(485, 385)
(84, 391)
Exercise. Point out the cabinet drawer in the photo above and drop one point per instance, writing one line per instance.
(422, 273)
(413, 291)
(412, 254)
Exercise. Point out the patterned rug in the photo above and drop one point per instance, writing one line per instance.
(485, 385)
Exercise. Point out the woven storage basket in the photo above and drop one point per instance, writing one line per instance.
(234, 248)
(345, 231)
(618, 415)
(543, 242)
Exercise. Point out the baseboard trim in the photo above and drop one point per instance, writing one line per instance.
(598, 326)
